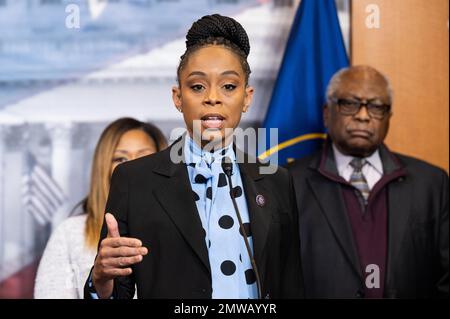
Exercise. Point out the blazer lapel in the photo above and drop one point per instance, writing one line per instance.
(399, 207)
(260, 216)
(326, 186)
(330, 199)
(176, 197)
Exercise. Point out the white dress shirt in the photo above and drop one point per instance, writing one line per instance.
(372, 171)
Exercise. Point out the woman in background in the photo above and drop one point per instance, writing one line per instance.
(72, 247)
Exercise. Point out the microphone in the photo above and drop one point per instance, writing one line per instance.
(227, 167)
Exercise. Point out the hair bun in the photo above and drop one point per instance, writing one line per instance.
(218, 26)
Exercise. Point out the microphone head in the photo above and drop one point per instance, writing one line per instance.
(227, 166)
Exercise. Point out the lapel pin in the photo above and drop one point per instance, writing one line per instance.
(260, 200)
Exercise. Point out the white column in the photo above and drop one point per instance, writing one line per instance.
(61, 159)
(82, 153)
(2, 201)
(16, 226)
(61, 137)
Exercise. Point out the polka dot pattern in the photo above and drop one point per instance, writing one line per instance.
(228, 268)
(226, 222)
(237, 191)
(222, 180)
(247, 229)
(231, 269)
(250, 277)
(209, 192)
(200, 179)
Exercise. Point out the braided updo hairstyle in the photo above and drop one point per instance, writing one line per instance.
(217, 30)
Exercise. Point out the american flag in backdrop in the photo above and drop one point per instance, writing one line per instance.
(41, 194)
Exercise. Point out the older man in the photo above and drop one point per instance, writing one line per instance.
(373, 223)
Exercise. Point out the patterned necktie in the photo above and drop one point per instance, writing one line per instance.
(358, 180)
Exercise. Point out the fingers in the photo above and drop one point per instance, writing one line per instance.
(121, 241)
(116, 272)
(123, 251)
(116, 254)
(120, 262)
(113, 228)
(128, 261)
(112, 262)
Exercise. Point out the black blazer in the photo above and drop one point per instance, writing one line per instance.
(418, 239)
(152, 200)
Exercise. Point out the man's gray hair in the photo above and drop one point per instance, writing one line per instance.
(336, 80)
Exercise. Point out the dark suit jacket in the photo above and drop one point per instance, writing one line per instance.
(152, 200)
(417, 252)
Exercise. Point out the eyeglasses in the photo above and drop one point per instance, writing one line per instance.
(351, 107)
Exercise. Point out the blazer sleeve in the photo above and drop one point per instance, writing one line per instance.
(443, 280)
(117, 205)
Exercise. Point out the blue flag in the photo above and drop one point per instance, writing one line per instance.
(314, 52)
